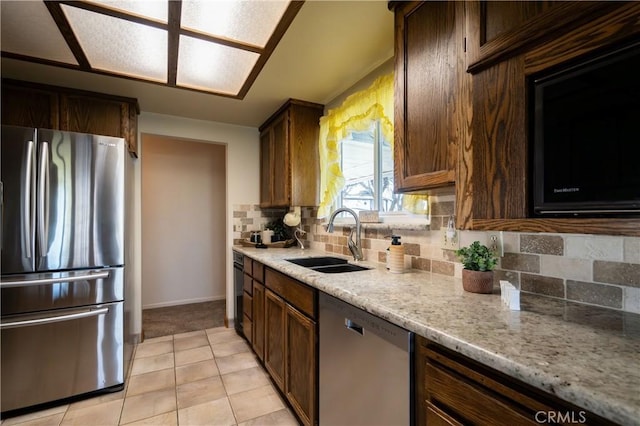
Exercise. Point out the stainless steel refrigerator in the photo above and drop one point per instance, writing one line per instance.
(62, 284)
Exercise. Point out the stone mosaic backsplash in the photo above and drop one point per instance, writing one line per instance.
(592, 269)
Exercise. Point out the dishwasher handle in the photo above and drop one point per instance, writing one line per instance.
(353, 326)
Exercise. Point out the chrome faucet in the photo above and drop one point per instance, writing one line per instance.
(356, 248)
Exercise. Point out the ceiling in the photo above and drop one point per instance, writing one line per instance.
(328, 47)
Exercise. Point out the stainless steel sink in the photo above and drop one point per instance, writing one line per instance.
(327, 264)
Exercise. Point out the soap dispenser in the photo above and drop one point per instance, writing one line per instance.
(395, 258)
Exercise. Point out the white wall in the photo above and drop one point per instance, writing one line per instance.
(243, 183)
(183, 221)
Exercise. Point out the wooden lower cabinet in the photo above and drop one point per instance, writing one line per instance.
(258, 320)
(275, 310)
(301, 362)
(452, 389)
(290, 341)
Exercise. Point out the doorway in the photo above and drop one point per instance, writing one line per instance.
(183, 223)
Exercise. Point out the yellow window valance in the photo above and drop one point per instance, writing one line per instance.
(356, 113)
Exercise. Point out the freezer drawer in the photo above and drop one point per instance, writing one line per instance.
(59, 354)
(35, 292)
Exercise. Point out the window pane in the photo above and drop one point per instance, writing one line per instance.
(358, 170)
(390, 202)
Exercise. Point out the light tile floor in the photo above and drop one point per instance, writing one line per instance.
(208, 377)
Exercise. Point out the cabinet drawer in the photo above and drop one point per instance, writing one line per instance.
(301, 296)
(437, 417)
(455, 394)
(258, 272)
(247, 263)
(247, 305)
(247, 284)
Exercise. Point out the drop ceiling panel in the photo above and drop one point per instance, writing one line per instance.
(229, 19)
(156, 10)
(28, 29)
(213, 67)
(119, 46)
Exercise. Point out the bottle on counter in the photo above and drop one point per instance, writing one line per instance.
(395, 258)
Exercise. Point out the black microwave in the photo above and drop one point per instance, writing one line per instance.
(585, 126)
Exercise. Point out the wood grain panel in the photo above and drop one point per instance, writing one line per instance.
(258, 319)
(274, 356)
(296, 293)
(247, 305)
(247, 284)
(430, 43)
(499, 17)
(500, 142)
(90, 115)
(290, 170)
(29, 107)
(280, 168)
(618, 26)
(544, 27)
(305, 167)
(453, 389)
(258, 271)
(247, 265)
(266, 154)
(247, 328)
(301, 365)
(629, 227)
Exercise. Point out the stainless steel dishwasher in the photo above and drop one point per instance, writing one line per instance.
(365, 368)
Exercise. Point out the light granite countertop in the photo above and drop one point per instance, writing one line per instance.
(585, 355)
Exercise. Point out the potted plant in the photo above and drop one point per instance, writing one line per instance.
(478, 262)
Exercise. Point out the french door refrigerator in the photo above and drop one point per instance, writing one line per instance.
(62, 284)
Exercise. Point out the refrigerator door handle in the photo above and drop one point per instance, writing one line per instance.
(43, 201)
(25, 202)
(40, 281)
(48, 320)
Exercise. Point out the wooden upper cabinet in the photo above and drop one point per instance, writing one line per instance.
(29, 107)
(84, 114)
(431, 94)
(34, 105)
(289, 159)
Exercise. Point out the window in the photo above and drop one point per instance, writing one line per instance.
(366, 159)
(356, 157)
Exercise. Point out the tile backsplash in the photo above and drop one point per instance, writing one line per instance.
(592, 269)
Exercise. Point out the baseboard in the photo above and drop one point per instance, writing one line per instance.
(182, 302)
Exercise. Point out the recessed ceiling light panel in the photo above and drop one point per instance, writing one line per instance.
(120, 46)
(212, 67)
(247, 21)
(44, 39)
(156, 10)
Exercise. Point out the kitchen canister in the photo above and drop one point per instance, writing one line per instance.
(267, 236)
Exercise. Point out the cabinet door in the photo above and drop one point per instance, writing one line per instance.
(281, 190)
(98, 116)
(301, 362)
(275, 310)
(258, 319)
(29, 107)
(429, 111)
(265, 168)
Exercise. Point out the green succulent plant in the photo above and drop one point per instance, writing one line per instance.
(477, 257)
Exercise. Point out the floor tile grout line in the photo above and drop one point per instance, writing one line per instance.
(215, 359)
